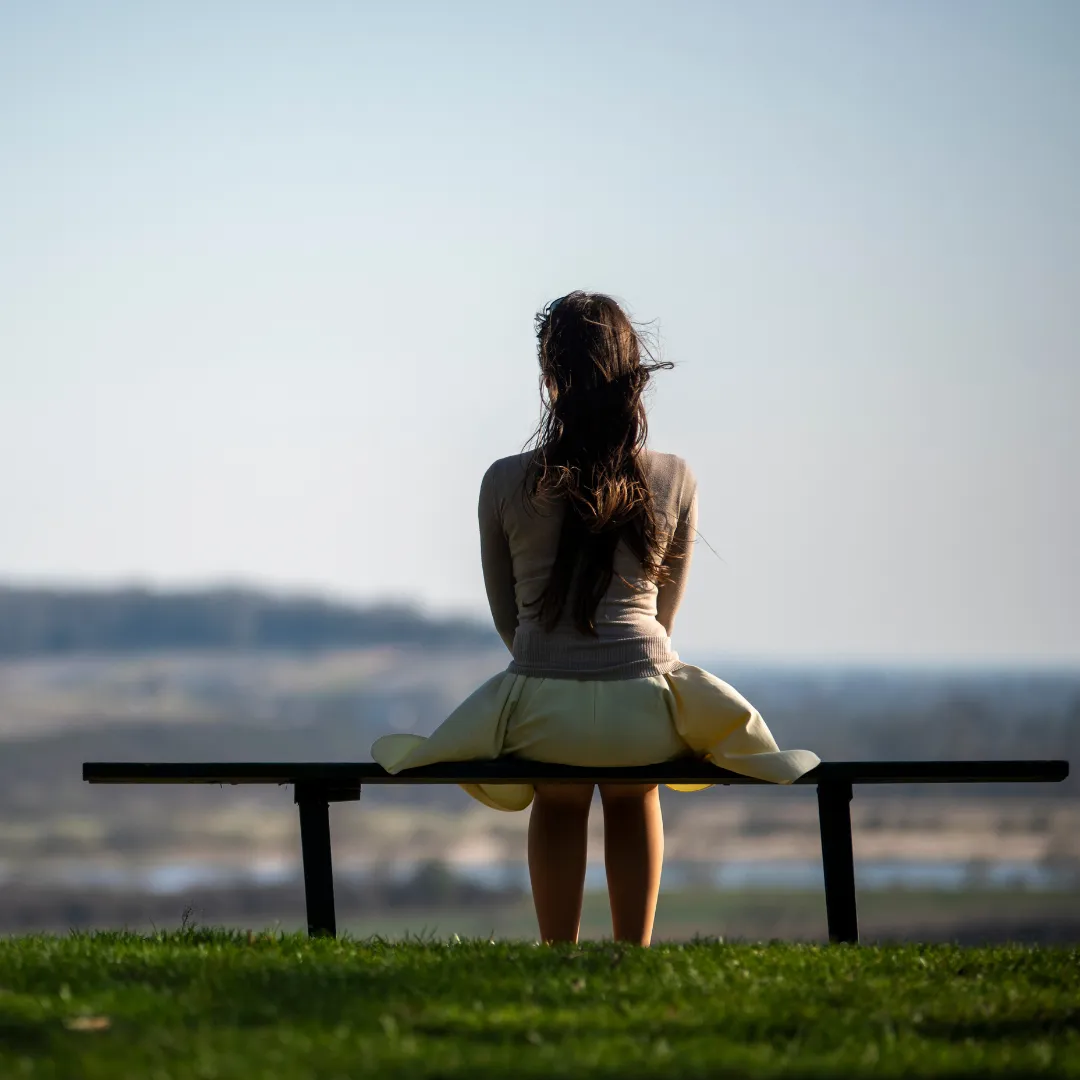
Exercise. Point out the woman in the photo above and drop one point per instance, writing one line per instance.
(585, 542)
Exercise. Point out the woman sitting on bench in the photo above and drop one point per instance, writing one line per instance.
(586, 542)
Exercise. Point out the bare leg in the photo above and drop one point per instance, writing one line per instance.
(634, 855)
(558, 832)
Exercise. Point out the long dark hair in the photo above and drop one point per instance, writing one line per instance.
(594, 367)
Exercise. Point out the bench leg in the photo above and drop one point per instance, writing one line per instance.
(834, 818)
(318, 868)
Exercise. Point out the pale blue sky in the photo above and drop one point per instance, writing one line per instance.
(268, 273)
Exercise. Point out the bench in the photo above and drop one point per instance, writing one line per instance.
(318, 785)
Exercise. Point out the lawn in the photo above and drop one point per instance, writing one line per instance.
(211, 1005)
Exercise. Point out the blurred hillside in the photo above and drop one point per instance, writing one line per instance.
(36, 622)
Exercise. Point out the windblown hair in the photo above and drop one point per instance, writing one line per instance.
(594, 368)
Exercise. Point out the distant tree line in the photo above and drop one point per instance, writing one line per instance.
(35, 621)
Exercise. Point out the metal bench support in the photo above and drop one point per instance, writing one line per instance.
(314, 805)
(838, 861)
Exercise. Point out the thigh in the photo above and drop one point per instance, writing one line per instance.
(570, 796)
(613, 793)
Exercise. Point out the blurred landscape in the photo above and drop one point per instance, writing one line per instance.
(236, 674)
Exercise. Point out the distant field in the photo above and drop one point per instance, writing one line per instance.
(967, 916)
(763, 915)
(194, 1005)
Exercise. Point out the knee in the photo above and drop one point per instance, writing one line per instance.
(565, 797)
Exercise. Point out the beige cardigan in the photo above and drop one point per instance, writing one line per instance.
(633, 621)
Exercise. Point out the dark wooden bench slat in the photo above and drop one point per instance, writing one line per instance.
(513, 770)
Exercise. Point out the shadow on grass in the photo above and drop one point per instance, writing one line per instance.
(26, 1036)
(1006, 1029)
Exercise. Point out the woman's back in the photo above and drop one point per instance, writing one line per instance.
(519, 541)
(586, 543)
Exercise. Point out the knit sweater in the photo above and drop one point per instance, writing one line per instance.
(518, 541)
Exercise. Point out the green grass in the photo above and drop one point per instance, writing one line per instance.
(210, 1005)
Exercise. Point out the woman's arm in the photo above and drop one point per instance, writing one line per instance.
(677, 560)
(496, 561)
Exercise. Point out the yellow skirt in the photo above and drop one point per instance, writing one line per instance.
(599, 723)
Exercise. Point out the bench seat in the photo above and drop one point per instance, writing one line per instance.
(317, 784)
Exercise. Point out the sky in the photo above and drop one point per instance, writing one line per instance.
(268, 274)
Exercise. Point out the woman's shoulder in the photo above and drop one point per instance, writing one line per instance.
(503, 476)
(510, 469)
(670, 472)
(670, 476)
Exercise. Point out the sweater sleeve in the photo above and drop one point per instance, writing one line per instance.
(497, 564)
(677, 559)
